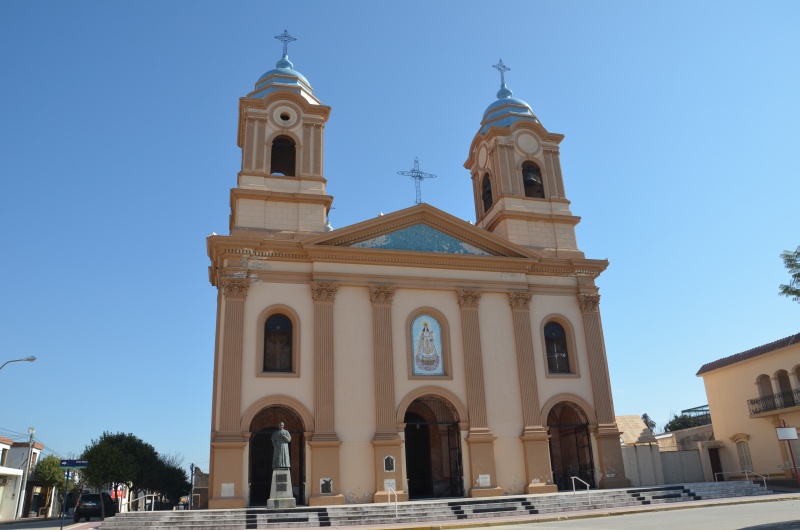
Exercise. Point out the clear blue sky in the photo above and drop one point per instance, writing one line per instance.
(118, 150)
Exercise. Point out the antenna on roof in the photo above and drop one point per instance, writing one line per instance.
(418, 177)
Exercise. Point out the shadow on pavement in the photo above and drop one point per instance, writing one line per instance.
(786, 525)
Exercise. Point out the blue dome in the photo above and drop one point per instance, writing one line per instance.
(282, 77)
(506, 111)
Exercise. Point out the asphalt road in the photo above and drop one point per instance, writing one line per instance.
(50, 524)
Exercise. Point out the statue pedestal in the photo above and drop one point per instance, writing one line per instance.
(280, 494)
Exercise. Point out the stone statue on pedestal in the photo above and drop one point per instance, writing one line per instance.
(280, 495)
(280, 445)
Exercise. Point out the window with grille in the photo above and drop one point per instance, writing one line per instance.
(555, 340)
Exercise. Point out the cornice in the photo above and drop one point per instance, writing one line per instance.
(245, 193)
(503, 215)
(264, 174)
(221, 248)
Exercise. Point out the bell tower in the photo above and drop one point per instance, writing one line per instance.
(280, 191)
(516, 178)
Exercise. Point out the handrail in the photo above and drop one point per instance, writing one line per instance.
(587, 487)
(389, 500)
(756, 474)
(746, 477)
(152, 504)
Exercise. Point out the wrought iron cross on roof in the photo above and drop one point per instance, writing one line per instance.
(418, 177)
(286, 39)
(500, 67)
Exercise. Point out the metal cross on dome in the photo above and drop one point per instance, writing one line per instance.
(286, 39)
(502, 69)
(418, 177)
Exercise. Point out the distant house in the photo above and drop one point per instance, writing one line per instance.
(750, 394)
(12, 463)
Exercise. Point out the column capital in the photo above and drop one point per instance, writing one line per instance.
(381, 294)
(468, 298)
(323, 292)
(590, 303)
(235, 287)
(519, 300)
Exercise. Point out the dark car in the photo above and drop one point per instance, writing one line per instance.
(94, 505)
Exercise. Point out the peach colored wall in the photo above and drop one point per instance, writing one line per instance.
(405, 302)
(354, 391)
(543, 306)
(728, 390)
(259, 297)
(354, 365)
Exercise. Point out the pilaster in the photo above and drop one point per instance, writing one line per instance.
(612, 471)
(325, 443)
(386, 443)
(483, 474)
(536, 449)
(235, 294)
(228, 442)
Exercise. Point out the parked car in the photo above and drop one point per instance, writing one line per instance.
(94, 505)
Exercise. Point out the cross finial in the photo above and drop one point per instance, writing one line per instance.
(286, 39)
(502, 69)
(418, 177)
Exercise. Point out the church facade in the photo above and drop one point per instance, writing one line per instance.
(413, 353)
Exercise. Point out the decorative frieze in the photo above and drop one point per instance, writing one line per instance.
(519, 300)
(235, 287)
(590, 303)
(381, 294)
(323, 292)
(468, 298)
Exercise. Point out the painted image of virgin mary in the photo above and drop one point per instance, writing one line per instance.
(427, 350)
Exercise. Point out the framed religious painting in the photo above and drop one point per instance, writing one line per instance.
(429, 348)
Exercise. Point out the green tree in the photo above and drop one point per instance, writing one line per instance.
(108, 461)
(681, 422)
(173, 483)
(49, 473)
(791, 260)
(651, 425)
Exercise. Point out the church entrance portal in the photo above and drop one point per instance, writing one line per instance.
(570, 448)
(261, 429)
(433, 449)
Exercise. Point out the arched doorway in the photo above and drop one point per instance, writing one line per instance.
(570, 447)
(261, 429)
(433, 449)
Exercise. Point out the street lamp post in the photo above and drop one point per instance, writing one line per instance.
(28, 359)
(20, 501)
(191, 494)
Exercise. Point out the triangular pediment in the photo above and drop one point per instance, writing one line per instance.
(421, 228)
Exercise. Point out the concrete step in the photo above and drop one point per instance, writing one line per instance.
(429, 511)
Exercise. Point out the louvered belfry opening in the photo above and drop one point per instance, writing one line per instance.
(261, 429)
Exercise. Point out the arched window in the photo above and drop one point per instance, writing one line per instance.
(486, 193)
(555, 340)
(283, 156)
(278, 344)
(532, 180)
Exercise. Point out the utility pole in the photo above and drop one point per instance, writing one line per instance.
(20, 499)
(191, 495)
